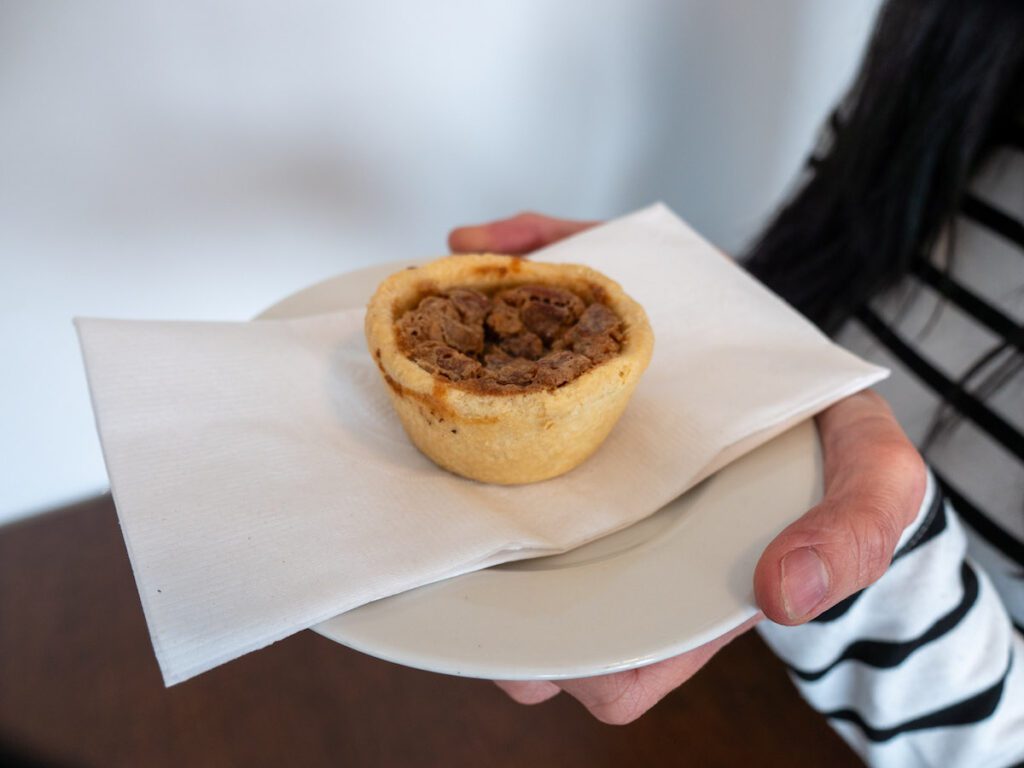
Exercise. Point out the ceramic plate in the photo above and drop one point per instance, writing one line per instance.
(661, 587)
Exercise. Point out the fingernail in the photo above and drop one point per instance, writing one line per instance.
(804, 582)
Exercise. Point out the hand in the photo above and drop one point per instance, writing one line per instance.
(519, 235)
(874, 485)
(622, 697)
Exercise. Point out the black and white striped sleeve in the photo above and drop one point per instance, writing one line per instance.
(924, 667)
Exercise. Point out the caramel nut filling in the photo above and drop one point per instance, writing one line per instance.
(524, 338)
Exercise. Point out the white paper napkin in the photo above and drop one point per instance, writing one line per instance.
(264, 485)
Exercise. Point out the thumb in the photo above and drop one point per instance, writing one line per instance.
(874, 484)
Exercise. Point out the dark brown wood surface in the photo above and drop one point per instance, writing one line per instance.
(79, 686)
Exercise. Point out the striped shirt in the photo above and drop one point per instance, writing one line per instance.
(926, 666)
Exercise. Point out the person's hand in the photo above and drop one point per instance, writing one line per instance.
(622, 697)
(874, 485)
(518, 235)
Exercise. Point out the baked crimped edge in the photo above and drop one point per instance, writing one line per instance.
(505, 438)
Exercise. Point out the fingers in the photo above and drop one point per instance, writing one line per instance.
(529, 691)
(874, 484)
(622, 697)
(518, 235)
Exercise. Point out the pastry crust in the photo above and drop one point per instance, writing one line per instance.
(505, 438)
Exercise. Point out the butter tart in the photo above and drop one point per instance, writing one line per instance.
(506, 370)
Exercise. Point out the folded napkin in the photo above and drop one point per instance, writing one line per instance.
(264, 484)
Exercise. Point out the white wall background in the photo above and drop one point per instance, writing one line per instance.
(202, 159)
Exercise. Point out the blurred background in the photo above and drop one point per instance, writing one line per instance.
(201, 160)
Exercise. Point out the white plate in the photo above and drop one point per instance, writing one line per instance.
(661, 587)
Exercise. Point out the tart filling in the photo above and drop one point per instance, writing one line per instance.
(504, 370)
(518, 339)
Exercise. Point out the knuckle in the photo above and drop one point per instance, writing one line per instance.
(891, 500)
(523, 692)
(912, 470)
(902, 456)
(619, 713)
(623, 704)
(906, 477)
(875, 535)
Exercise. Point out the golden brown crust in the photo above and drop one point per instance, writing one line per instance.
(507, 438)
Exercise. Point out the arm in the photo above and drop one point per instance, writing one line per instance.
(923, 668)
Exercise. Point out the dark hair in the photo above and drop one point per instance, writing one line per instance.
(940, 83)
